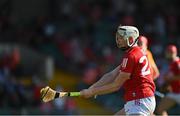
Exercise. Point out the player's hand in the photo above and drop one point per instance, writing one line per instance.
(47, 94)
(95, 96)
(86, 93)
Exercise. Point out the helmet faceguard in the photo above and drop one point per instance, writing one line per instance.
(129, 33)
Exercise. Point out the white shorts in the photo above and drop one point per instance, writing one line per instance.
(144, 106)
(174, 96)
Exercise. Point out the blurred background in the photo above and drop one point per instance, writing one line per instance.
(69, 45)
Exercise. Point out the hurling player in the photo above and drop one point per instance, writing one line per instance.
(133, 74)
(172, 78)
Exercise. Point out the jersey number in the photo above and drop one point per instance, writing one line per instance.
(145, 70)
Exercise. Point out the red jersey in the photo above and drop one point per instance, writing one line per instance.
(140, 84)
(175, 69)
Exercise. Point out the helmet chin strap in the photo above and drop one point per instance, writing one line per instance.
(126, 48)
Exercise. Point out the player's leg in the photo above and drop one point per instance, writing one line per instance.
(121, 112)
(165, 104)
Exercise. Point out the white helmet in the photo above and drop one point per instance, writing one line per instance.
(129, 33)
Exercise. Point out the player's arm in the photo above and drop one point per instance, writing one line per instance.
(124, 72)
(106, 78)
(172, 78)
(176, 77)
(153, 65)
(108, 88)
(156, 71)
(113, 86)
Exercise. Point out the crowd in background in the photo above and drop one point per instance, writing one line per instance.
(80, 35)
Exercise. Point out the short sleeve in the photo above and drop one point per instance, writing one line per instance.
(127, 64)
